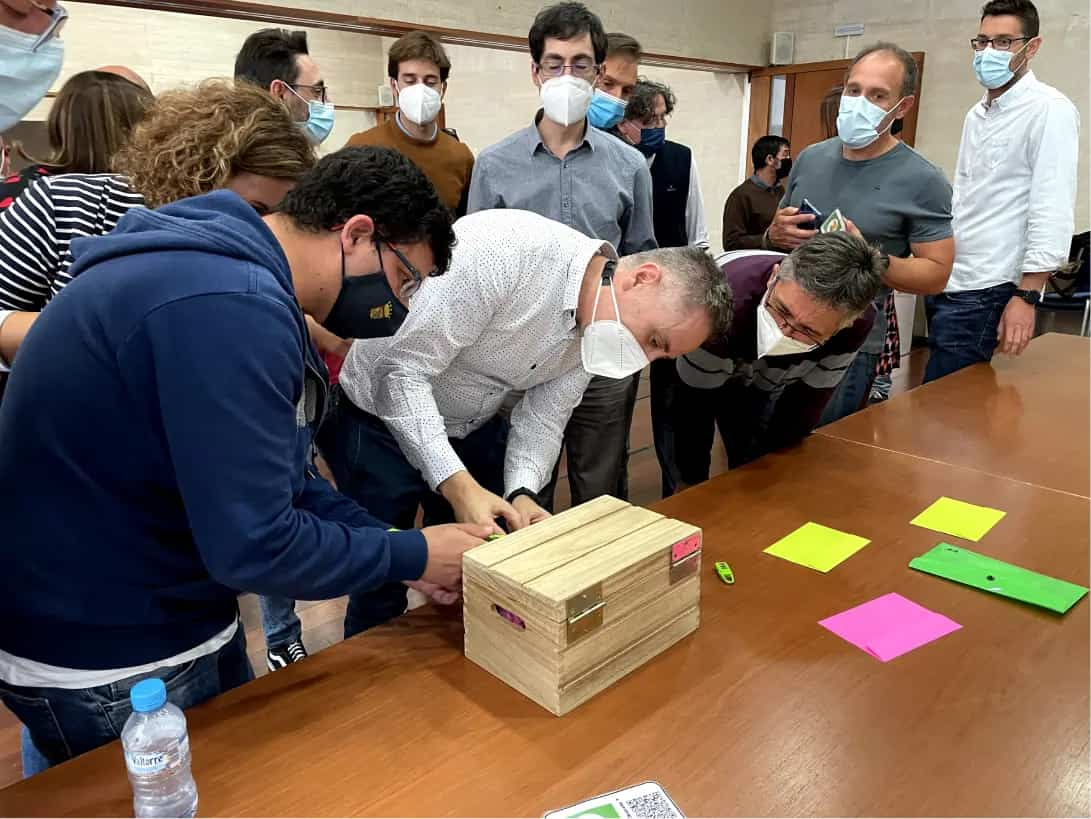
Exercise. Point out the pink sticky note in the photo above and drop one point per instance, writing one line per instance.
(889, 626)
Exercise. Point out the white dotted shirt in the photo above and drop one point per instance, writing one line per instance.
(503, 318)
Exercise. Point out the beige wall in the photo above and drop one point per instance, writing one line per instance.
(942, 30)
(731, 30)
(170, 49)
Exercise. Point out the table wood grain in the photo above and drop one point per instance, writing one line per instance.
(760, 712)
(1026, 418)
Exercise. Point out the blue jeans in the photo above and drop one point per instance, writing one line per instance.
(279, 621)
(369, 467)
(60, 723)
(962, 328)
(853, 392)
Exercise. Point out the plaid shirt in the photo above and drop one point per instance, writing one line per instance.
(890, 358)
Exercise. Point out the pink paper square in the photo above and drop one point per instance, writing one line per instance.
(889, 626)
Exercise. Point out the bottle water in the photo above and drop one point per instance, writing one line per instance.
(156, 749)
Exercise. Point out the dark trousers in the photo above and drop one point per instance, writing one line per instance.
(684, 423)
(962, 328)
(854, 391)
(369, 467)
(596, 442)
(62, 723)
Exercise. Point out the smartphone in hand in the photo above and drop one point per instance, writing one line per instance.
(807, 207)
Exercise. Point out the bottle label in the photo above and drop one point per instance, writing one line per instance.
(145, 763)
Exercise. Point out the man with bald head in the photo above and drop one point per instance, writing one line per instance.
(30, 55)
(887, 192)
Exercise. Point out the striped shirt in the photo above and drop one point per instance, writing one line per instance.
(38, 228)
(786, 393)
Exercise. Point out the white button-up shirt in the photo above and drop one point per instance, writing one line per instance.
(503, 318)
(1015, 186)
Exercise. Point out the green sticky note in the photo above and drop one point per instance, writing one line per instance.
(997, 577)
(958, 518)
(817, 547)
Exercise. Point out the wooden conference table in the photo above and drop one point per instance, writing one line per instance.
(760, 712)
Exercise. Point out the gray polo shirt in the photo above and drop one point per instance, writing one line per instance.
(897, 199)
(602, 188)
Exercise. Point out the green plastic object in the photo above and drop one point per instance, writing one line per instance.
(998, 577)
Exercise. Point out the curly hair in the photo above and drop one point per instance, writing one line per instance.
(641, 105)
(90, 121)
(194, 140)
(380, 183)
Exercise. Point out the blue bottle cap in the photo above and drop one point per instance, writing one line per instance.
(148, 695)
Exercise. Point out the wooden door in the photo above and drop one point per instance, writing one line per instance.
(805, 85)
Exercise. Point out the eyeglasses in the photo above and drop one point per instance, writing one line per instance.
(416, 277)
(319, 90)
(58, 16)
(582, 67)
(999, 43)
(784, 318)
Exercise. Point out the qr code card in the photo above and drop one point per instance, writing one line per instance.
(645, 801)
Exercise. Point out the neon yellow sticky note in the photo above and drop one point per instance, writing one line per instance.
(817, 547)
(958, 518)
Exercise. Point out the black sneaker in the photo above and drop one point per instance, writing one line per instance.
(285, 654)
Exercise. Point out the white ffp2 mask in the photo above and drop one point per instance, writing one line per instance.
(419, 104)
(566, 99)
(608, 348)
(771, 341)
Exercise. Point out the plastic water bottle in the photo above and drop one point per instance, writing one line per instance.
(157, 754)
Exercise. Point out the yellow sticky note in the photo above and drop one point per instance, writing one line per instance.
(817, 547)
(958, 518)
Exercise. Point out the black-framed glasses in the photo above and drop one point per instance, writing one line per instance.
(318, 89)
(582, 67)
(999, 43)
(58, 16)
(416, 277)
(784, 318)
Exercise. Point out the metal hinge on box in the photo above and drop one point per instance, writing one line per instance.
(684, 557)
(585, 612)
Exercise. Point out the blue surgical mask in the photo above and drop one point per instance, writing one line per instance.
(651, 140)
(993, 68)
(606, 111)
(319, 120)
(858, 121)
(25, 74)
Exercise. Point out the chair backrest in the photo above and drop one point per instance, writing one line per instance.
(1076, 278)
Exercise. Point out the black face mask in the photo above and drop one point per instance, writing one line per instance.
(784, 169)
(366, 307)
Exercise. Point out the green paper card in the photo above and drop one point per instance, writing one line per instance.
(817, 547)
(958, 519)
(997, 577)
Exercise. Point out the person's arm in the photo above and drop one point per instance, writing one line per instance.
(537, 429)
(449, 314)
(29, 251)
(326, 342)
(228, 415)
(926, 272)
(736, 220)
(464, 197)
(696, 228)
(637, 230)
(1050, 219)
(14, 325)
(481, 195)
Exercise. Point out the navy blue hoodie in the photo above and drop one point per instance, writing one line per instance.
(155, 443)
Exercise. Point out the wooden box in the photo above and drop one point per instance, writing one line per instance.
(563, 609)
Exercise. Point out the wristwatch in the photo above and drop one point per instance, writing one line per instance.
(524, 491)
(1031, 297)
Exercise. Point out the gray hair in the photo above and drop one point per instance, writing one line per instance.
(641, 103)
(838, 269)
(910, 71)
(699, 280)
